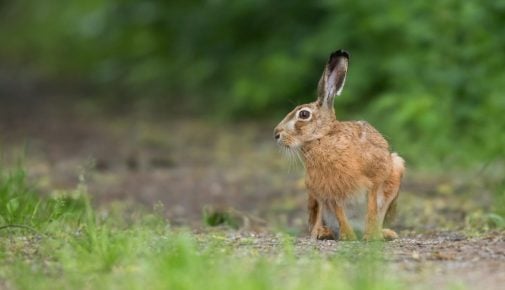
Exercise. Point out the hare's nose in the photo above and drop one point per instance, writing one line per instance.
(277, 134)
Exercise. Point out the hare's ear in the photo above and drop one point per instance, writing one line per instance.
(333, 78)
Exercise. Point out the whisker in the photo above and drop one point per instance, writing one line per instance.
(293, 157)
(290, 158)
(299, 157)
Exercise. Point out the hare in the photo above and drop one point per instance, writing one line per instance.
(343, 160)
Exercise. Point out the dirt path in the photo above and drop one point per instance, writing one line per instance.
(441, 260)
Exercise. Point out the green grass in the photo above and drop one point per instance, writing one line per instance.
(71, 245)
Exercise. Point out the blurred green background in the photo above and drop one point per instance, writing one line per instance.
(429, 74)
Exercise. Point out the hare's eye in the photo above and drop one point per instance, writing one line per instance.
(304, 114)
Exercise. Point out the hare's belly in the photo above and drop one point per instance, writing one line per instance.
(340, 187)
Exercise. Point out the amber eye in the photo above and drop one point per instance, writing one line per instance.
(304, 114)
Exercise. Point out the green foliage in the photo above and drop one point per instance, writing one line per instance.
(428, 74)
(213, 217)
(482, 222)
(499, 204)
(18, 203)
(21, 205)
(178, 261)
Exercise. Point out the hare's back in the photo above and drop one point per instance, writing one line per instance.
(371, 149)
(365, 136)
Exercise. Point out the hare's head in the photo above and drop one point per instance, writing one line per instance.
(313, 120)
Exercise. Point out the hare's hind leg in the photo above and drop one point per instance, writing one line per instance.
(372, 225)
(387, 208)
(387, 198)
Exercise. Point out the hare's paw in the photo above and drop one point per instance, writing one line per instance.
(322, 233)
(347, 235)
(384, 234)
(373, 236)
(389, 234)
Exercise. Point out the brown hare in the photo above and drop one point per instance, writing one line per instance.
(344, 162)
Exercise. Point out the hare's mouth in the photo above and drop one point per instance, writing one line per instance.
(283, 143)
(283, 146)
(288, 144)
(287, 141)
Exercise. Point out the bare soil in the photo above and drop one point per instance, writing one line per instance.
(442, 260)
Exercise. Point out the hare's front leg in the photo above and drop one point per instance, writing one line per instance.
(312, 207)
(316, 226)
(346, 232)
(372, 228)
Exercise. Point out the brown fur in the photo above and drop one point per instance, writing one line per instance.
(341, 160)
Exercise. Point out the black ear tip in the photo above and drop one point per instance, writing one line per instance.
(340, 53)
